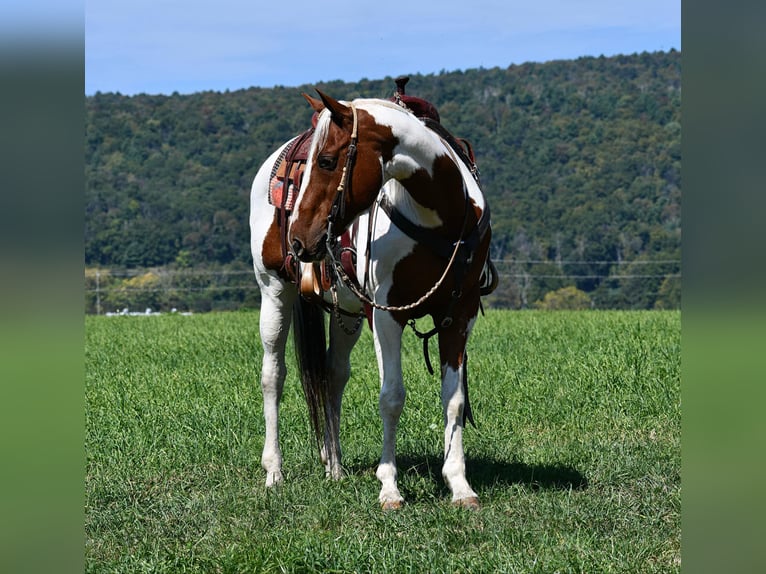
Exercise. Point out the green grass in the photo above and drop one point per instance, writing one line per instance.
(576, 457)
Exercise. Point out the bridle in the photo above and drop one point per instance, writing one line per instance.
(338, 208)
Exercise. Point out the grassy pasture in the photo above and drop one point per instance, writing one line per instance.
(576, 457)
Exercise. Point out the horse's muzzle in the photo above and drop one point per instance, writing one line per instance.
(306, 255)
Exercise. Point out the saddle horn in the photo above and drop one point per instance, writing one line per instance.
(401, 81)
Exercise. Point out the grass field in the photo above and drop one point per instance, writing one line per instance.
(576, 458)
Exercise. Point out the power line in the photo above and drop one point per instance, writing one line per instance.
(175, 272)
(249, 272)
(106, 287)
(170, 288)
(605, 277)
(169, 273)
(100, 290)
(585, 262)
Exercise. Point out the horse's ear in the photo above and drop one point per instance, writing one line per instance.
(338, 110)
(317, 105)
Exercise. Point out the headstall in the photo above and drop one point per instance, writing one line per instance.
(338, 209)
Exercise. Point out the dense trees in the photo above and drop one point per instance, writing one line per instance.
(580, 160)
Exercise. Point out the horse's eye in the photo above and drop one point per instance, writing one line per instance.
(327, 162)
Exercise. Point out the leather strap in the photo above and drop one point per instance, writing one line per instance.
(295, 149)
(438, 244)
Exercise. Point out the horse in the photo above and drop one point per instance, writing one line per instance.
(423, 250)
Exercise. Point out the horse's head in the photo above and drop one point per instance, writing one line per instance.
(342, 179)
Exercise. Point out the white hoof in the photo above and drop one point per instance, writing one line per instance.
(274, 478)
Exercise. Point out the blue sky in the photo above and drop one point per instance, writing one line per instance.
(186, 46)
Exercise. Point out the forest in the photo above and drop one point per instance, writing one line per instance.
(580, 161)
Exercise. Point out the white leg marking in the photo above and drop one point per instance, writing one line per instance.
(388, 341)
(274, 328)
(453, 402)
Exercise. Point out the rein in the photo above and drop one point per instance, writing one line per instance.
(362, 296)
(348, 282)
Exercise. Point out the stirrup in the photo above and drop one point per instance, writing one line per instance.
(489, 278)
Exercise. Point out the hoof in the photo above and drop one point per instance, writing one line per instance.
(337, 474)
(471, 503)
(274, 479)
(391, 505)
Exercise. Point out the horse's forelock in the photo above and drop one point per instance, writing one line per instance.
(320, 132)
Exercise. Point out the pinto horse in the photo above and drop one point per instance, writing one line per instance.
(424, 246)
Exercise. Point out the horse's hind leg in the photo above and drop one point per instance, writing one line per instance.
(276, 313)
(338, 373)
(452, 354)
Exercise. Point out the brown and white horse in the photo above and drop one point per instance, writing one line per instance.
(423, 250)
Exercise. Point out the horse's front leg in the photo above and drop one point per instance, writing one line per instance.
(388, 345)
(453, 368)
(276, 312)
(338, 373)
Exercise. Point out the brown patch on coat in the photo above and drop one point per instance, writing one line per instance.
(271, 251)
(416, 273)
(442, 193)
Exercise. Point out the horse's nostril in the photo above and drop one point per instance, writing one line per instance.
(309, 253)
(298, 248)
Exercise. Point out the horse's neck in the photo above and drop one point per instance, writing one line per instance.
(423, 191)
(413, 210)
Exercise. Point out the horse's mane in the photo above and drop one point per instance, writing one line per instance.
(323, 121)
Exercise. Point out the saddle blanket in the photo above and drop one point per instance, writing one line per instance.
(288, 171)
(285, 182)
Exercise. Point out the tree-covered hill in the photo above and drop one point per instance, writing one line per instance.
(580, 160)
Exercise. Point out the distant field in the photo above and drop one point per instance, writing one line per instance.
(576, 458)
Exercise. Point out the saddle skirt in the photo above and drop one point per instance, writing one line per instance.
(287, 172)
(284, 179)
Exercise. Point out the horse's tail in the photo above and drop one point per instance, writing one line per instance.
(310, 352)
